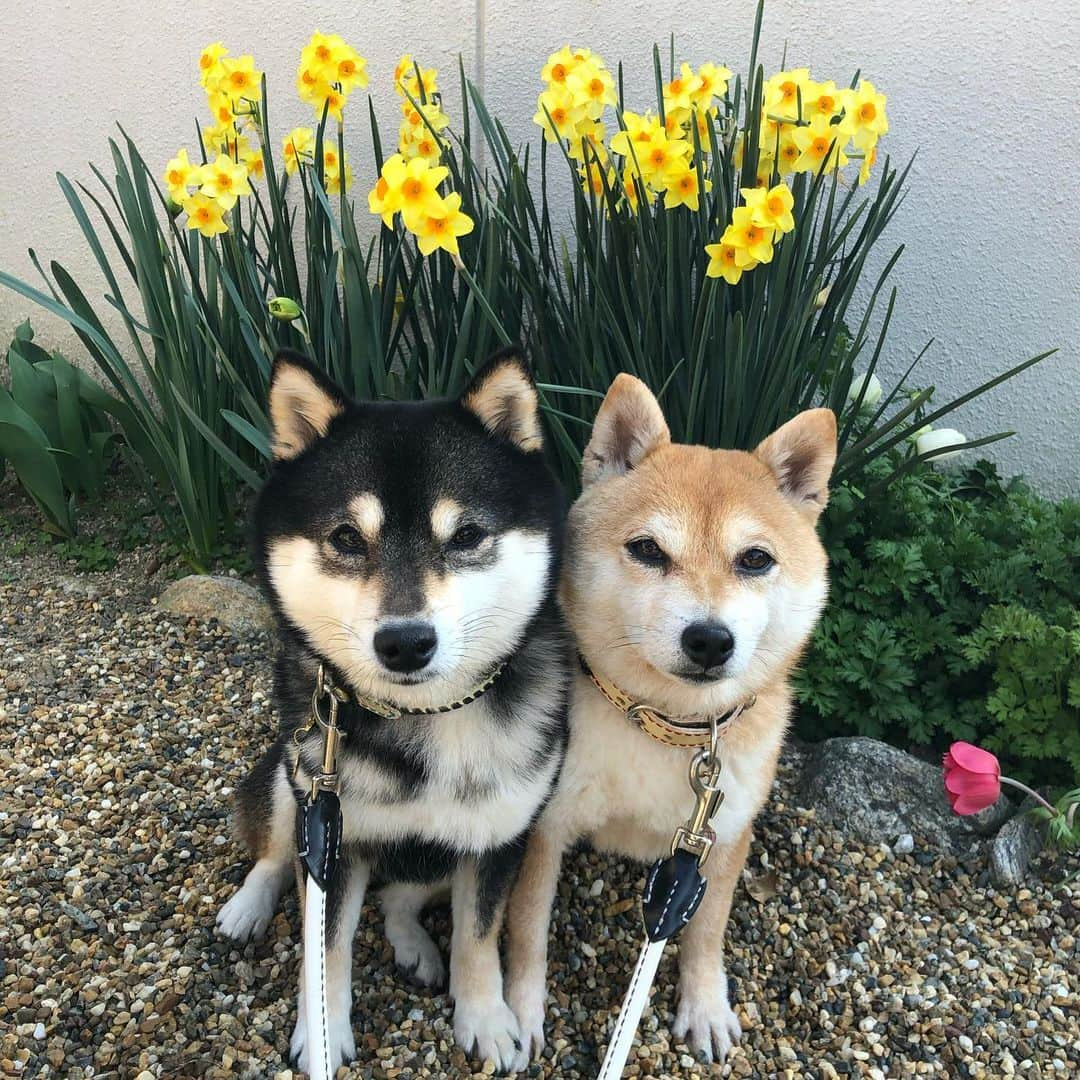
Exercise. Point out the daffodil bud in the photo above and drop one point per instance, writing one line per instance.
(174, 209)
(822, 297)
(871, 394)
(281, 307)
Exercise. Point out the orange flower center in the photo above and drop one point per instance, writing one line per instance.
(205, 61)
(596, 87)
(381, 187)
(414, 117)
(753, 234)
(558, 72)
(826, 103)
(437, 225)
(820, 146)
(224, 181)
(203, 214)
(412, 188)
(307, 78)
(239, 79)
(790, 152)
(323, 52)
(728, 255)
(658, 156)
(687, 183)
(867, 111)
(330, 157)
(775, 205)
(559, 116)
(789, 90)
(425, 147)
(224, 114)
(347, 67)
(176, 177)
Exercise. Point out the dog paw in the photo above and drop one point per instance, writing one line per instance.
(418, 956)
(708, 1025)
(342, 1044)
(487, 1029)
(247, 915)
(528, 1007)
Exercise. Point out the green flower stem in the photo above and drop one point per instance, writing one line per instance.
(1054, 811)
(481, 299)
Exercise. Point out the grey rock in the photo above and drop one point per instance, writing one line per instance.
(905, 844)
(1018, 841)
(234, 603)
(876, 792)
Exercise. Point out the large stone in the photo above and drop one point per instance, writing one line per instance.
(876, 793)
(1018, 841)
(234, 603)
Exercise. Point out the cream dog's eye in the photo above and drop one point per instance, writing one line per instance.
(755, 561)
(646, 550)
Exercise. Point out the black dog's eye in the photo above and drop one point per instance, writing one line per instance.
(755, 561)
(349, 540)
(646, 550)
(467, 537)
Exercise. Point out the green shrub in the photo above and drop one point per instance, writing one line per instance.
(953, 615)
(54, 430)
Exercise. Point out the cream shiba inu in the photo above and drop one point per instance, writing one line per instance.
(692, 581)
(412, 550)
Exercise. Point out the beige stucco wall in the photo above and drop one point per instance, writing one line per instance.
(986, 90)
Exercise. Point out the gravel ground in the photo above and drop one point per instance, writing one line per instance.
(125, 731)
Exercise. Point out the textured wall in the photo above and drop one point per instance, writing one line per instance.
(985, 90)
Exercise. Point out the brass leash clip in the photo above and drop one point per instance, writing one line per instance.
(697, 836)
(326, 778)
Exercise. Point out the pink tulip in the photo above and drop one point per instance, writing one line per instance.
(973, 780)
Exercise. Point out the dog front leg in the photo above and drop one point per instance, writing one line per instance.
(705, 1018)
(344, 903)
(484, 1025)
(527, 939)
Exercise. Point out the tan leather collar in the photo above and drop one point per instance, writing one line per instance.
(688, 731)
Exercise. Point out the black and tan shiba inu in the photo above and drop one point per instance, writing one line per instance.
(413, 549)
(692, 581)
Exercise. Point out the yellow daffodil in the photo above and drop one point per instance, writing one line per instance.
(821, 146)
(632, 188)
(711, 81)
(675, 121)
(333, 172)
(383, 199)
(682, 187)
(180, 174)
(592, 87)
(221, 108)
(412, 187)
(703, 121)
(784, 91)
(224, 180)
(869, 158)
(407, 85)
(596, 178)
(771, 208)
(588, 144)
(558, 104)
(660, 157)
(210, 64)
(205, 214)
(821, 99)
(561, 64)
(320, 55)
(442, 224)
(723, 262)
(420, 144)
(638, 131)
(679, 93)
(752, 242)
(788, 153)
(298, 148)
(864, 115)
(240, 79)
(256, 167)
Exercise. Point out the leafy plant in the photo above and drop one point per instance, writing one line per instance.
(55, 430)
(953, 615)
(682, 272)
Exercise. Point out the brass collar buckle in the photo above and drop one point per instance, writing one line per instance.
(325, 692)
(697, 836)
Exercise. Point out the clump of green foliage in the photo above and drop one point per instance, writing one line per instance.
(954, 614)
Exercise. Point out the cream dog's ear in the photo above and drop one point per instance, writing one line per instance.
(801, 455)
(503, 397)
(303, 403)
(628, 427)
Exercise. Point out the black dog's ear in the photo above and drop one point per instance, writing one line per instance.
(503, 396)
(303, 402)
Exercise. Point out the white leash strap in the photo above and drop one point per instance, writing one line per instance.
(672, 894)
(637, 997)
(318, 1027)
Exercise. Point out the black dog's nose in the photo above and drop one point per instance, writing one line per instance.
(708, 643)
(407, 646)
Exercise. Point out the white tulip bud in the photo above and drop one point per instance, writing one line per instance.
(873, 389)
(935, 439)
